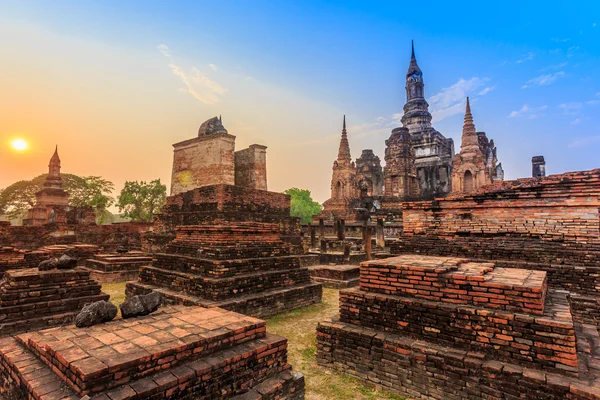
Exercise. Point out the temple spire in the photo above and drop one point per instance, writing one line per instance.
(412, 57)
(344, 151)
(469, 140)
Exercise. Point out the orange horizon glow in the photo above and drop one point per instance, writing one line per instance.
(19, 144)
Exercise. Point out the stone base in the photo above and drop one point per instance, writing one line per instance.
(174, 353)
(335, 276)
(113, 276)
(261, 305)
(422, 369)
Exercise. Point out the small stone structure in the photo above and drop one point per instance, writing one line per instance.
(335, 276)
(175, 353)
(437, 327)
(117, 267)
(538, 167)
(32, 299)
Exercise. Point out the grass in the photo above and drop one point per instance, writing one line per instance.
(299, 326)
(321, 383)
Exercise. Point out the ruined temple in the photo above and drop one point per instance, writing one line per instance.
(433, 152)
(211, 159)
(477, 164)
(400, 170)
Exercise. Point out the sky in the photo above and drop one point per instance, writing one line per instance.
(115, 83)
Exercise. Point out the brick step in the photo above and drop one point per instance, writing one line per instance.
(217, 289)
(224, 252)
(226, 268)
(261, 305)
(111, 266)
(105, 356)
(45, 294)
(421, 368)
(546, 342)
(22, 324)
(336, 283)
(588, 349)
(339, 272)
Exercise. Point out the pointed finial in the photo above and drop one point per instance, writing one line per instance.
(220, 120)
(56, 149)
(412, 57)
(344, 127)
(468, 111)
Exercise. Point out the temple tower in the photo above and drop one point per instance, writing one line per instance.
(369, 174)
(432, 151)
(476, 165)
(343, 170)
(400, 172)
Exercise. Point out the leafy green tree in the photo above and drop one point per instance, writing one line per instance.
(140, 200)
(302, 205)
(92, 191)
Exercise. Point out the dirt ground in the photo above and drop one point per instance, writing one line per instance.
(299, 327)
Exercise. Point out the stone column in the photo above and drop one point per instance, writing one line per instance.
(347, 253)
(341, 229)
(313, 236)
(367, 240)
(380, 236)
(323, 246)
(321, 229)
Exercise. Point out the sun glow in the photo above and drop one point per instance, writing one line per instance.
(19, 144)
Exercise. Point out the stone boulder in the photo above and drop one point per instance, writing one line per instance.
(48, 264)
(95, 313)
(66, 262)
(143, 304)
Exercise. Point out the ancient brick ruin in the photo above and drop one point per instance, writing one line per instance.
(494, 295)
(116, 267)
(175, 353)
(233, 247)
(211, 159)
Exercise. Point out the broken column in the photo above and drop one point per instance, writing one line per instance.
(538, 166)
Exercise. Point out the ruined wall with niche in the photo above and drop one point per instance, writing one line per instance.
(251, 167)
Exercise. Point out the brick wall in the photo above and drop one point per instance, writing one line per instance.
(251, 167)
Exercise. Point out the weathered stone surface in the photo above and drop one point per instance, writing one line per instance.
(95, 313)
(48, 264)
(143, 304)
(66, 262)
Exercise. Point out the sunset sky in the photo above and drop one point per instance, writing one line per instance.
(114, 84)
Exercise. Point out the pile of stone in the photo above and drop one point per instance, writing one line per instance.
(176, 352)
(439, 327)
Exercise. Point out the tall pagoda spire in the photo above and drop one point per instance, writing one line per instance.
(54, 165)
(412, 57)
(470, 141)
(344, 151)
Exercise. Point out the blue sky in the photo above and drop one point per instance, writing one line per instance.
(282, 73)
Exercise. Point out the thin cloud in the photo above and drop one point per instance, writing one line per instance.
(570, 108)
(576, 121)
(451, 100)
(584, 141)
(528, 57)
(543, 80)
(195, 82)
(527, 112)
(554, 66)
(560, 40)
(213, 67)
(487, 90)
(592, 102)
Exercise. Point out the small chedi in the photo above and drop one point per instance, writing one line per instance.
(232, 246)
(492, 294)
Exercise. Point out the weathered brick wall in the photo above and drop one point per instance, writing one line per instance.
(556, 207)
(109, 237)
(424, 370)
(251, 167)
(202, 161)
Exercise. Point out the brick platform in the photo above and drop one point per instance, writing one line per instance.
(335, 276)
(117, 267)
(175, 353)
(449, 328)
(32, 299)
(239, 266)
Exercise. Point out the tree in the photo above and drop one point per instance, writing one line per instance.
(140, 200)
(92, 191)
(302, 205)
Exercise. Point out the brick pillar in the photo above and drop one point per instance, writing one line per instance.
(367, 240)
(321, 229)
(380, 237)
(341, 229)
(313, 236)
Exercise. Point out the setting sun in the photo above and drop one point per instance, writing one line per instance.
(19, 144)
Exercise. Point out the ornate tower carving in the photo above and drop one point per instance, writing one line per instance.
(400, 172)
